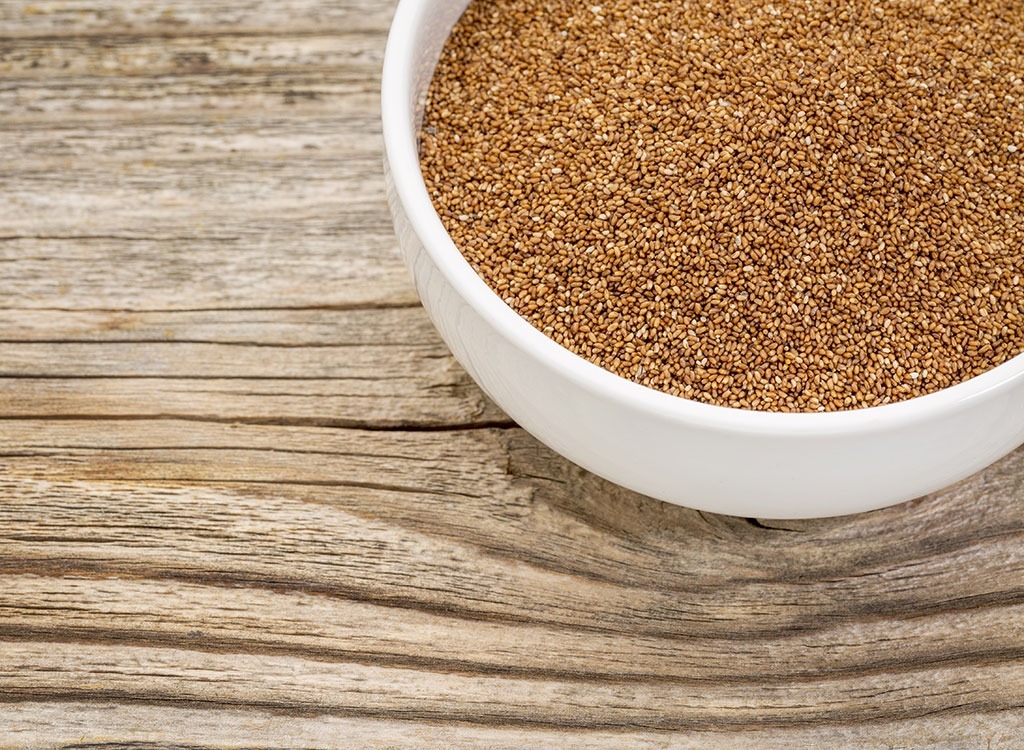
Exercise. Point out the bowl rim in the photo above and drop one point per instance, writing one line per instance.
(398, 117)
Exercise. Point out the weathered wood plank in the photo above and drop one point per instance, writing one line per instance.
(420, 401)
(77, 18)
(149, 138)
(581, 561)
(37, 60)
(320, 626)
(145, 234)
(397, 325)
(376, 367)
(176, 270)
(111, 727)
(285, 683)
(120, 141)
(201, 360)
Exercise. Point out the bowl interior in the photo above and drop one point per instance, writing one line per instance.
(418, 34)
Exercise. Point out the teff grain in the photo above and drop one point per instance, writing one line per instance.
(794, 205)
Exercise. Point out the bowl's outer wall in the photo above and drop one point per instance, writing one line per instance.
(789, 474)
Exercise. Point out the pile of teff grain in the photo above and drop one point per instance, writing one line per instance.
(784, 205)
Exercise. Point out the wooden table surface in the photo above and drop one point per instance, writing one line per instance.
(249, 499)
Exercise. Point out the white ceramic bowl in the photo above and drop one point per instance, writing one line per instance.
(717, 459)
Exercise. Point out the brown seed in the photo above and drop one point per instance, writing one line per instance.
(795, 205)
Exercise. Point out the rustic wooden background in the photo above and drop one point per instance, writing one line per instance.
(249, 499)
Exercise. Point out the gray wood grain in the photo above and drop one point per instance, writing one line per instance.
(247, 498)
